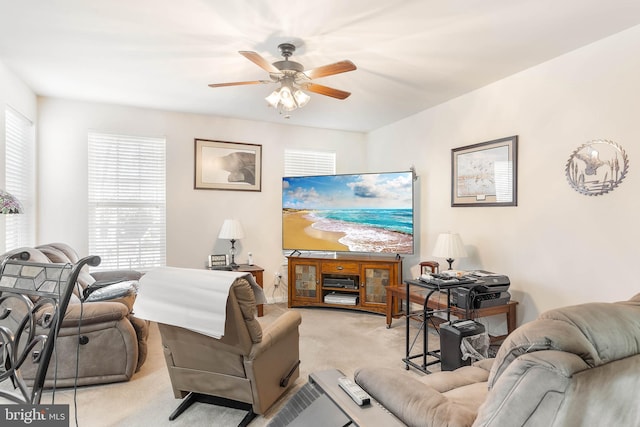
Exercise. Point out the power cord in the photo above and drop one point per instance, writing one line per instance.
(77, 373)
(59, 317)
(58, 320)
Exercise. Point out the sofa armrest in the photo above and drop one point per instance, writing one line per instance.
(93, 313)
(116, 275)
(412, 401)
(280, 329)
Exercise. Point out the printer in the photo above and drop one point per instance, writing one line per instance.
(487, 290)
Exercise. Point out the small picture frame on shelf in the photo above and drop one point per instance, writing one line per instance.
(218, 261)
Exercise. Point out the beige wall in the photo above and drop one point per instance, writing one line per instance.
(558, 247)
(194, 217)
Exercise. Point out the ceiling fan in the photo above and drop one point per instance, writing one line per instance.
(293, 79)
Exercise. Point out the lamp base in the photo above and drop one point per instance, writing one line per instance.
(233, 264)
(450, 261)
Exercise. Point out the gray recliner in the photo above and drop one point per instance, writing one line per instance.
(110, 341)
(573, 366)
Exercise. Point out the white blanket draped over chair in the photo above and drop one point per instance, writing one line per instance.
(189, 298)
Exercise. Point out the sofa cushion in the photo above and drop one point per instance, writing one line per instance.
(441, 399)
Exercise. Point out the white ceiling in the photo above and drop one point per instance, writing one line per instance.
(410, 54)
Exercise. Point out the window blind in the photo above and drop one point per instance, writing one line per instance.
(303, 162)
(127, 219)
(20, 178)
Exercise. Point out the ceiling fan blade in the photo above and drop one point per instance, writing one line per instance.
(327, 91)
(331, 69)
(253, 82)
(259, 61)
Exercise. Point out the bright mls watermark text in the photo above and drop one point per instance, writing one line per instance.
(34, 415)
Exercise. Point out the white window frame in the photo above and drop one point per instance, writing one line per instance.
(127, 200)
(20, 179)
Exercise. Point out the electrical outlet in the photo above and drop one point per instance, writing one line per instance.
(277, 280)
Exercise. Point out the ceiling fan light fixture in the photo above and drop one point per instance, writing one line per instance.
(287, 98)
(273, 99)
(301, 98)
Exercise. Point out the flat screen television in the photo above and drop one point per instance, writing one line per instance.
(366, 213)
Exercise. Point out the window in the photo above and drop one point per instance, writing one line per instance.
(127, 201)
(20, 178)
(302, 162)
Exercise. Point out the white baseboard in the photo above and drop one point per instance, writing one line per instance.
(277, 299)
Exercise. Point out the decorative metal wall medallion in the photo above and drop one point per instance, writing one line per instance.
(597, 167)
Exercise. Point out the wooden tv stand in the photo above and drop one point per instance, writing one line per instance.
(356, 282)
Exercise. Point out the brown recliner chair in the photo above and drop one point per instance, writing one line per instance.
(248, 368)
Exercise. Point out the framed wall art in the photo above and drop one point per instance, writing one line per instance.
(485, 174)
(221, 165)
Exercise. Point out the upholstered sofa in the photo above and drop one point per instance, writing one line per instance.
(573, 366)
(98, 328)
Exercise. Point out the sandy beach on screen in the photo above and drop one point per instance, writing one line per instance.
(298, 234)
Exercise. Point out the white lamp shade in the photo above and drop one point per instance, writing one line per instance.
(301, 98)
(231, 229)
(273, 99)
(449, 245)
(287, 98)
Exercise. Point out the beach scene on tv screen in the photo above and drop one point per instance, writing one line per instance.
(348, 213)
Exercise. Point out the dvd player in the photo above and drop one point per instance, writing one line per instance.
(339, 282)
(342, 299)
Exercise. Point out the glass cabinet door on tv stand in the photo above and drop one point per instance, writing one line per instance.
(305, 281)
(376, 279)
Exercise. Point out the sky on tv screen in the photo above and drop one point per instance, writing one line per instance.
(389, 190)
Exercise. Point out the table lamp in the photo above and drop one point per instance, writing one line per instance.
(231, 230)
(449, 246)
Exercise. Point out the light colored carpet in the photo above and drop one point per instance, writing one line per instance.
(329, 338)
